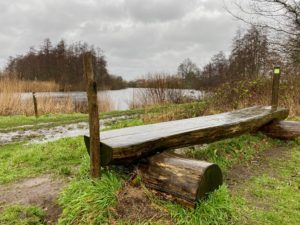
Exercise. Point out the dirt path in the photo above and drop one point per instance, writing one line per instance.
(240, 173)
(39, 191)
(46, 134)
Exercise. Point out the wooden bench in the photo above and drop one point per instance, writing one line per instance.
(127, 145)
(187, 180)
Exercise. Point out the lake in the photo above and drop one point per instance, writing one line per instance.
(121, 98)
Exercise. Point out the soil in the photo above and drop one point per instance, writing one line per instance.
(134, 205)
(240, 173)
(39, 191)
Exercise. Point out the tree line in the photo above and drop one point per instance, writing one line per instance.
(273, 39)
(63, 64)
(252, 56)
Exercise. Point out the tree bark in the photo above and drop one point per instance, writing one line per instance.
(186, 180)
(93, 116)
(282, 130)
(35, 105)
(128, 145)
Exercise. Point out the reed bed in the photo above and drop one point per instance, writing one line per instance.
(9, 85)
(13, 104)
(12, 101)
(159, 89)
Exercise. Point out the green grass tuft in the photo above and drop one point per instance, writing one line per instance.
(10, 123)
(22, 215)
(230, 151)
(123, 123)
(273, 197)
(87, 201)
(217, 209)
(60, 157)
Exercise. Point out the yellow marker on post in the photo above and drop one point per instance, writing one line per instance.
(275, 87)
(277, 70)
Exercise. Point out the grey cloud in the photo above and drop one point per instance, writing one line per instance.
(137, 36)
(157, 10)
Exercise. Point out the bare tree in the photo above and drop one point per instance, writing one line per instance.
(249, 55)
(189, 72)
(281, 18)
(279, 15)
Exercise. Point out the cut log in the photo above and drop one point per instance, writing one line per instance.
(186, 180)
(282, 129)
(127, 145)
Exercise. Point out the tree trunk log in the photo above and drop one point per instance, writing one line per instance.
(91, 87)
(186, 180)
(282, 130)
(129, 145)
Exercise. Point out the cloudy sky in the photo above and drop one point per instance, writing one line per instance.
(137, 37)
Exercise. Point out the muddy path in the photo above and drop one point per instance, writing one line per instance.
(39, 191)
(239, 174)
(46, 134)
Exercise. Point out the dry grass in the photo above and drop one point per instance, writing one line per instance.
(175, 112)
(248, 93)
(159, 89)
(105, 104)
(14, 85)
(12, 102)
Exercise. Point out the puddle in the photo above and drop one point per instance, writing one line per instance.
(43, 135)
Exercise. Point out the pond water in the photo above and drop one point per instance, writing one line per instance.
(121, 99)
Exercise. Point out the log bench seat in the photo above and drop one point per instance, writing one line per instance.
(186, 180)
(127, 145)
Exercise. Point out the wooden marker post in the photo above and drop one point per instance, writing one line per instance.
(91, 88)
(275, 87)
(35, 105)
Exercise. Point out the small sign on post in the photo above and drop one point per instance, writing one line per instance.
(91, 88)
(275, 87)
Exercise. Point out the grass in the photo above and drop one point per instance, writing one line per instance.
(273, 197)
(241, 149)
(87, 201)
(16, 85)
(12, 123)
(59, 157)
(217, 209)
(270, 197)
(124, 123)
(13, 103)
(22, 215)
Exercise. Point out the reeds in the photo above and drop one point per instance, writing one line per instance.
(15, 85)
(159, 89)
(13, 101)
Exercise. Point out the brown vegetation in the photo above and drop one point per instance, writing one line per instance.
(245, 93)
(158, 89)
(12, 102)
(11, 85)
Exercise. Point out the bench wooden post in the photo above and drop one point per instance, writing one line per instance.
(35, 105)
(275, 87)
(91, 87)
